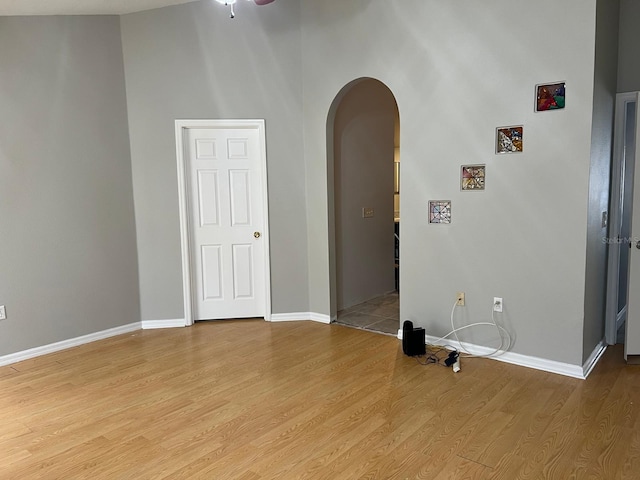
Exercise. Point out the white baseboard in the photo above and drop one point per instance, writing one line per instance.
(537, 363)
(151, 324)
(64, 344)
(319, 317)
(293, 317)
(289, 317)
(593, 358)
(551, 366)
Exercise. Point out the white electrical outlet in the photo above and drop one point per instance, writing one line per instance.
(3, 312)
(367, 212)
(460, 299)
(497, 304)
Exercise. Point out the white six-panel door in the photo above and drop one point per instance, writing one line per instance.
(226, 214)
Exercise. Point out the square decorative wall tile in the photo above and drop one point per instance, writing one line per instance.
(439, 211)
(509, 139)
(472, 177)
(550, 96)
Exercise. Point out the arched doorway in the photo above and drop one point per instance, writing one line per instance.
(363, 148)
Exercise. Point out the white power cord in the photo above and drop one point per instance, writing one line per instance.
(454, 331)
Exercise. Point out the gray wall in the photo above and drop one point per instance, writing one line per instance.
(459, 70)
(604, 96)
(628, 64)
(192, 61)
(67, 249)
(363, 169)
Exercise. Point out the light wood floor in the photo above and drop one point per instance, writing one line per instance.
(251, 400)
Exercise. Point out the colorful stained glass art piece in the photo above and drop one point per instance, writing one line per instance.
(550, 96)
(439, 211)
(509, 139)
(472, 177)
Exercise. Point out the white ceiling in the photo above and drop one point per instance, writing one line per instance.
(81, 7)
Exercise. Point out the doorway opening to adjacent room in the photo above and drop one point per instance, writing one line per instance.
(623, 240)
(363, 149)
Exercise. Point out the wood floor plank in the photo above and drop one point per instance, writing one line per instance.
(459, 468)
(252, 400)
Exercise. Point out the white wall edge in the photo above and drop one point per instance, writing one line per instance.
(63, 345)
(537, 363)
(299, 316)
(151, 324)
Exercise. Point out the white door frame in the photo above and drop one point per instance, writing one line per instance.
(612, 320)
(184, 206)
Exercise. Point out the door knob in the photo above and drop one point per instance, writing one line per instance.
(638, 244)
(258, 234)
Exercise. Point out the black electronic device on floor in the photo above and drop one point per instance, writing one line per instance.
(413, 339)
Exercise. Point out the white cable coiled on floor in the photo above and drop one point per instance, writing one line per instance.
(499, 328)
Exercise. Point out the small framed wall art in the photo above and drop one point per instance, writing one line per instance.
(472, 178)
(439, 211)
(550, 96)
(509, 139)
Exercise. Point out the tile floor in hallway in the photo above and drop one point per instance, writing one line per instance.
(380, 314)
